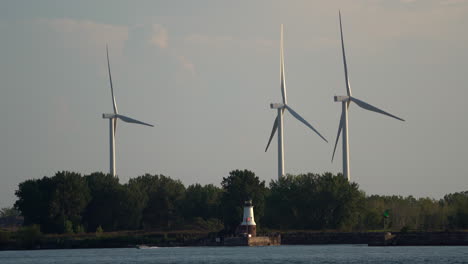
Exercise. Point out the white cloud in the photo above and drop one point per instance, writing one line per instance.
(453, 2)
(159, 36)
(186, 64)
(227, 41)
(87, 36)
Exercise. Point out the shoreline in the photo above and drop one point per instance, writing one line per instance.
(198, 239)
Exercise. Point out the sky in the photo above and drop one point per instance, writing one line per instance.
(205, 72)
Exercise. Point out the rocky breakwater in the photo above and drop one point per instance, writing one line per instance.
(324, 238)
(252, 241)
(421, 239)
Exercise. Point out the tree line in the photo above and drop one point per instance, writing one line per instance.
(69, 202)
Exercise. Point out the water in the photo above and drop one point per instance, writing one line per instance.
(244, 255)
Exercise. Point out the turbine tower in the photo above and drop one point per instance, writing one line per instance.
(113, 122)
(280, 107)
(345, 102)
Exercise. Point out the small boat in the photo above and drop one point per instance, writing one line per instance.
(145, 247)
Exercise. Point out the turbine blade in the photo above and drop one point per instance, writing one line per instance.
(348, 87)
(282, 79)
(273, 131)
(115, 126)
(131, 120)
(298, 117)
(373, 108)
(114, 104)
(340, 127)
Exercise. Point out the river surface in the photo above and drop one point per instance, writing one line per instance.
(244, 255)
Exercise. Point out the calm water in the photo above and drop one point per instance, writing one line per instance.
(244, 255)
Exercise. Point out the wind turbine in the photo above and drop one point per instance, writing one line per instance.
(113, 122)
(278, 123)
(345, 102)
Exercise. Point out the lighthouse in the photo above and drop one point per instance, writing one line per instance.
(246, 232)
(248, 227)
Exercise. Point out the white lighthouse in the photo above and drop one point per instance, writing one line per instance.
(248, 226)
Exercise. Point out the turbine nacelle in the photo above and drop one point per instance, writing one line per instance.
(109, 116)
(342, 98)
(277, 106)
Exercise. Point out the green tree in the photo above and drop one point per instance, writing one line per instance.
(458, 209)
(33, 202)
(132, 204)
(99, 231)
(373, 214)
(280, 209)
(104, 203)
(163, 196)
(69, 199)
(238, 187)
(113, 206)
(29, 236)
(68, 227)
(313, 201)
(404, 213)
(202, 201)
(431, 216)
(9, 212)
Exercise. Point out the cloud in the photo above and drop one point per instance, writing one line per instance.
(90, 38)
(205, 40)
(453, 2)
(227, 41)
(186, 64)
(159, 36)
(87, 36)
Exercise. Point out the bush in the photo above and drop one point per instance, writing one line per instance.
(68, 227)
(404, 229)
(4, 237)
(211, 224)
(29, 236)
(79, 229)
(99, 231)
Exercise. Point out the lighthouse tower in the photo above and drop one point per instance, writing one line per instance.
(248, 226)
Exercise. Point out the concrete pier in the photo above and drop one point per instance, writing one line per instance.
(253, 241)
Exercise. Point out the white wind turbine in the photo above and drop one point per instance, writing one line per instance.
(345, 102)
(278, 123)
(113, 122)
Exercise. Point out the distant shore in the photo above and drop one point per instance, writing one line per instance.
(130, 239)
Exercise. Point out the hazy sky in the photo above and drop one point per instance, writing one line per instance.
(204, 72)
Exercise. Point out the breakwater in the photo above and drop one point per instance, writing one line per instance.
(171, 239)
(453, 238)
(422, 239)
(324, 238)
(274, 240)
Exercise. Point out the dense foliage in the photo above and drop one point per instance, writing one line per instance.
(71, 203)
(313, 201)
(239, 187)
